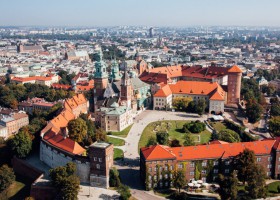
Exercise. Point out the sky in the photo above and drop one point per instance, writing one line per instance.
(140, 12)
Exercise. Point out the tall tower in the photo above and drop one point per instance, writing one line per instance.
(100, 77)
(234, 85)
(101, 156)
(126, 89)
(115, 72)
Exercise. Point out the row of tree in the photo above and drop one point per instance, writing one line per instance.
(186, 104)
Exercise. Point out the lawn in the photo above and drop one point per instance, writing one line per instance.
(122, 133)
(118, 154)
(116, 141)
(273, 187)
(174, 132)
(218, 126)
(12, 190)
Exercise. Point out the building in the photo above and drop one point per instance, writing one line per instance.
(57, 149)
(275, 83)
(42, 80)
(205, 162)
(77, 55)
(12, 123)
(30, 49)
(212, 93)
(35, 104)
(142, 93)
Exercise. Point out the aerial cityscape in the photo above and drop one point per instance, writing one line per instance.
(141, 100)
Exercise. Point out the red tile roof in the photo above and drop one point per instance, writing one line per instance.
(165, 91)
(153, 152)
(235, 69)
(211, 151)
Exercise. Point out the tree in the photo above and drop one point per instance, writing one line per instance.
(21, 144)
(151, 141)
(256, 182)
(245, 162)
(175, 143)
(114, 179)
(228, 136)
(200, 106)
(181, 103)
(191, 107)
(124, 191)
(188, 140)
(162, 137)
(228, 186)
(275, 109)
(274, 125)
(100, 135)
(179, 179)
(77, 129)
(7, 177)
(65, 180)
(194, 127)
(253, 110)
(70, 188)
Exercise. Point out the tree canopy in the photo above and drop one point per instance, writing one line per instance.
(151, 141)
(274, 125)
(162, 137)
(228, 186)
(179, 179)
(253, 110)
(194, 127)
(21, 144)
(228, 136)
(181, 103)
(77, 129)
(7, 177)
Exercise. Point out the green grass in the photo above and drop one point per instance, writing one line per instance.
(116, 141)
(218, 126)
(12, 190)
(174, 132)
(122, 133)
(272, 187)
(118, 154)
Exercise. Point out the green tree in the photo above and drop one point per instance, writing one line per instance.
(100, 135)
(181, 103)
(191, 107)
(70, 188)
(256, 182)
(228, 136)
(194, 127)
(175, 143)
(162, 137)
(275, 109)
(21, 144)
(245, 162)
(228, 186)
(7, 177)
(188, 140)
(151, 141)
(114, 178)
(274, 125)
(65, 180)
(179, 179)
(253, 110)
(200, 106)
(77, 129)
(124, 192)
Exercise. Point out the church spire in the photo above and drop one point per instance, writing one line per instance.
(100, 66)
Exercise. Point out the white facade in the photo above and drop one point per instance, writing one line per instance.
(162, 102)
(54, 158)
(3, 132)
(216, 106)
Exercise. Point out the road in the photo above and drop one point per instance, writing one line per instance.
(129, 168)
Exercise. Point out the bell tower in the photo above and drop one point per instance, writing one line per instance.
(234, 85)
(126, 88)
(100, 77)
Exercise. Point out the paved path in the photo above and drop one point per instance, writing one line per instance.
(129, 168)
(87, 192)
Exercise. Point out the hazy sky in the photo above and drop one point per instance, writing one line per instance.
(140, 12)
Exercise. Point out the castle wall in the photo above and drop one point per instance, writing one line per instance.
(54, 158)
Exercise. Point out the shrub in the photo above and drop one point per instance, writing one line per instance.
(194, 127)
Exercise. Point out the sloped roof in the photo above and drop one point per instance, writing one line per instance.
(235, 69)
(211, 151)
(165, 91)
(157, 152)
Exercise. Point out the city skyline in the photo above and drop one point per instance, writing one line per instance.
(131, 12)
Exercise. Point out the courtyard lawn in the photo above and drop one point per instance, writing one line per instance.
(273, 187)
(174, 132)
(218, 126)
(11, 191)
(118, 154)
(122, 133)
(116, 141)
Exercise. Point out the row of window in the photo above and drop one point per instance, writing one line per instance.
(166, 184)
(160, 176)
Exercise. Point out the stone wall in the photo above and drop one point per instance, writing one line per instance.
(54, 158)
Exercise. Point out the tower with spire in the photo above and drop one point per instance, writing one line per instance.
(100, 77)
(126, 88)
(115, 72)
